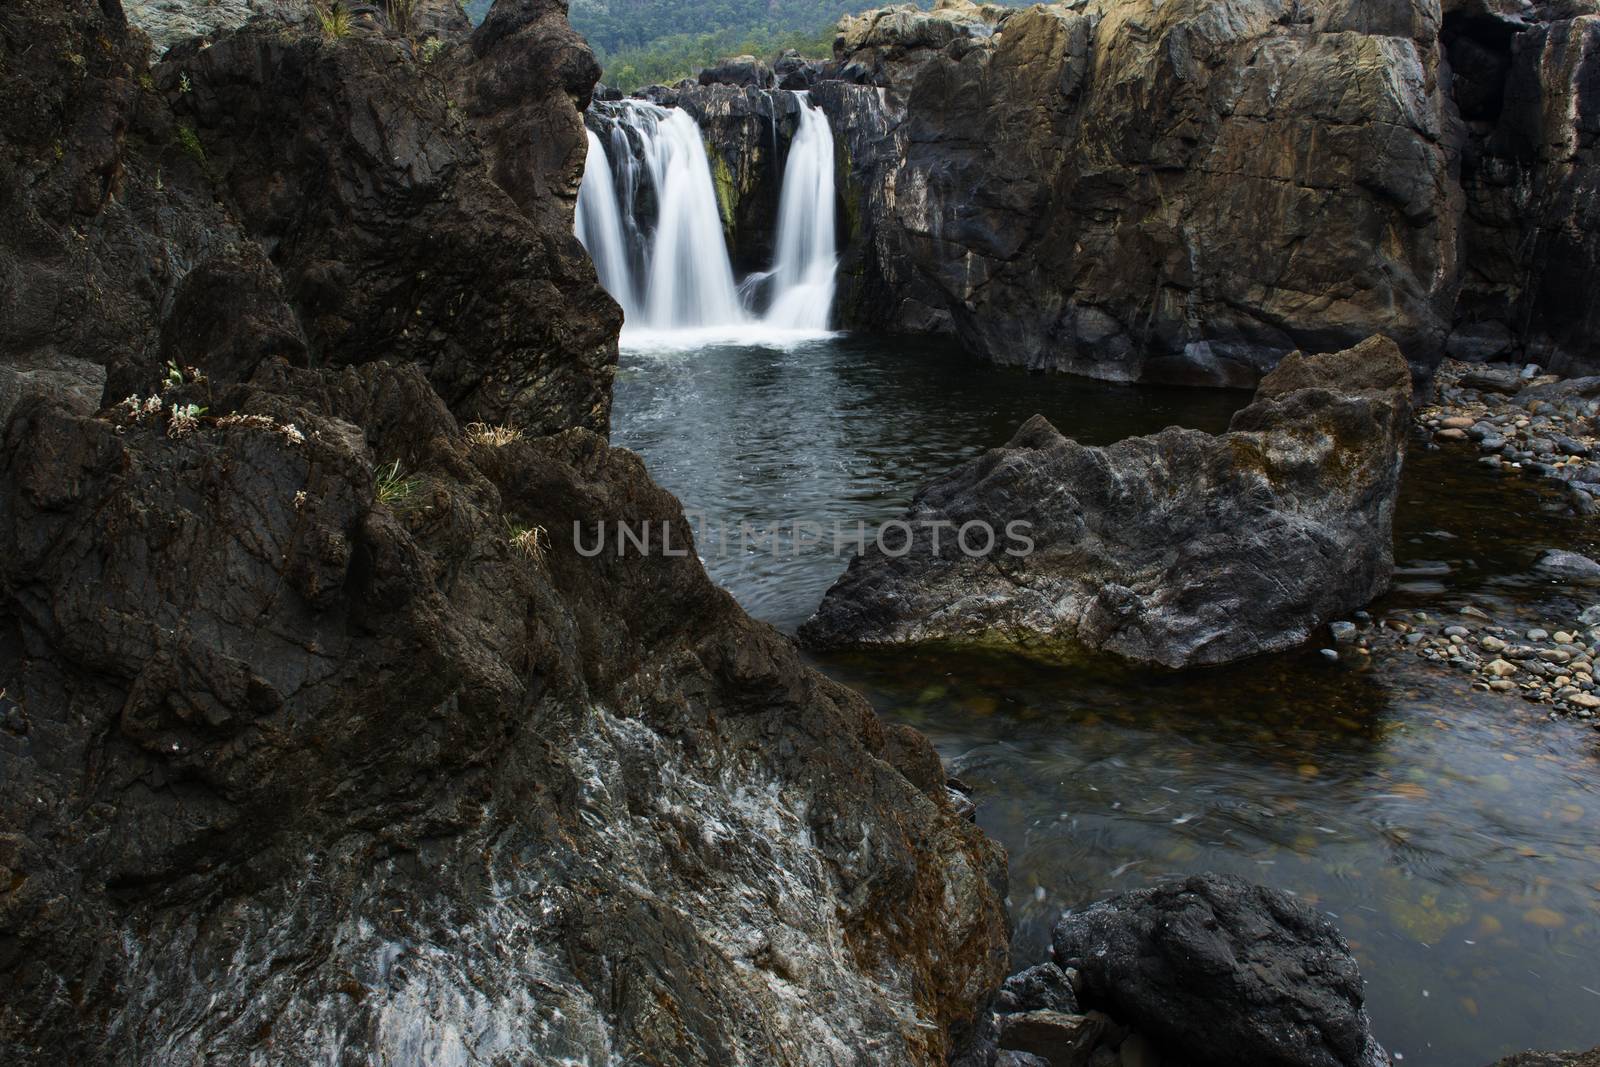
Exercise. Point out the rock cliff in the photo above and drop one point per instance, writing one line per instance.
(1188, 191)
(319, 738)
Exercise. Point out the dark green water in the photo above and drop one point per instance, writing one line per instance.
(1454, 834)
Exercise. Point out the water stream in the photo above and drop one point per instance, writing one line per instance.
(1450, 831)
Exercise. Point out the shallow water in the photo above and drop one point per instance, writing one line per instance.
(1451, 832)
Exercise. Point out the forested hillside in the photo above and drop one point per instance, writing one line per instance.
(645, 41)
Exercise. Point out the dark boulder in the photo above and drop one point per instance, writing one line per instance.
(1043, 986)
(1221, 972)
(744, 72)
(1181, 549)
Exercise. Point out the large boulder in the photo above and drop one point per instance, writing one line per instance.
(1182, 548)
(1222, 973)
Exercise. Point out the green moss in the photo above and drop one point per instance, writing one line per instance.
(189, 141)
(727, 189)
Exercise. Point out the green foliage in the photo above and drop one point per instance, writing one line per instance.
(333, 20)
(644, 42)
(396, 490)
(684, 55)
(189, 141)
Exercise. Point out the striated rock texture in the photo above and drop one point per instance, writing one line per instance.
(319, 738)
(1178, 191)
(1222, 972)
(1180, 549)
(1529, 92)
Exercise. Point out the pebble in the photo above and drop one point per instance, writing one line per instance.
(1492, 644)
(1501, 669)
(1537, 634)
(1329, 655)
(1562, 638)
(1343, 632)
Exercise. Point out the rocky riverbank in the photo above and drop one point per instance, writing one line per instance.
(1522, 423)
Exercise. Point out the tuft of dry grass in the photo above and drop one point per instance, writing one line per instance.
(402, 16)
(531, 541)
(481, 433)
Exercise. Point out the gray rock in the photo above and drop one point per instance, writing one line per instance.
(1180, 549)
(1343, 632)
(1224, 973)
(1569, 565)
(1044, 986)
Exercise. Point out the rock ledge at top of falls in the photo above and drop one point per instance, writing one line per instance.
(1186, 191)
(319, 740)
(1182, 548)
(1223, 973)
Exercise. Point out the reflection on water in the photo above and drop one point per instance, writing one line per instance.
(1451, 832)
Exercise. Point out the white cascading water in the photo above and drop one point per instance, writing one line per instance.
(807, 254)
(600, 229)
(674, 278)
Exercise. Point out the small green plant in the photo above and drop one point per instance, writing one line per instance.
(530, 541)
(396, 490)
(184, 84)
(333, 20)
(185, 419)
(432, 48)
(189, 141)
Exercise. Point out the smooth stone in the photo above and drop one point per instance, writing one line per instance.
(1569, 565)
(1537, 634)
(1343, 632)
(1501, 669)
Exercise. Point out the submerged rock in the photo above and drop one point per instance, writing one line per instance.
(1220, 972)
(1182, 548)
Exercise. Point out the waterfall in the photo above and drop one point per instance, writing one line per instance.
(807, 253)
(648, 215)
(600, 229)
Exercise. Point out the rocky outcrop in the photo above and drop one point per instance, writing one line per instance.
(1180, 549)
(1173, 191)
(1221, 972)
(1159, 191)
(1529, 92)
(319, 736)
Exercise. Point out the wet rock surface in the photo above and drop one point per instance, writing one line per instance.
(317, 733)
(1524, 423)
(1216, 971)
(1180, 549)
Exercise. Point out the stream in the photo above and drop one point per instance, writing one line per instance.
(1450, 832)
